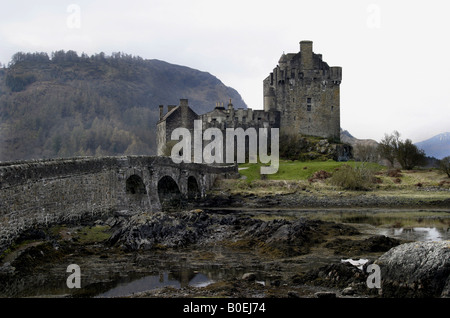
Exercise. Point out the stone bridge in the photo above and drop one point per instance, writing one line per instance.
(44, 192)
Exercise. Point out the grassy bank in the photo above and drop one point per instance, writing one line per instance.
(297, 176)
(297, 170)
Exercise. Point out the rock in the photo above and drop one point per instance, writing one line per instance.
(249, 277)
(325, 295)
(377, 243)
(418, 269)
(348, 291)
(7, 269)
(293, 294)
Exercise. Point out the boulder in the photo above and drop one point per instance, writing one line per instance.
(251, 277)
(418, 269)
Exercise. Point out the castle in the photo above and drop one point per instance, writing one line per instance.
(301, 96)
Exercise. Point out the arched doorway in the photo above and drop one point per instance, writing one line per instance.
(169, 194)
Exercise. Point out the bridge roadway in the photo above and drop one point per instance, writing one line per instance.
(54, 191)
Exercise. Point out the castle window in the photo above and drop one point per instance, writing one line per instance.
(308, 104)
(332, 108)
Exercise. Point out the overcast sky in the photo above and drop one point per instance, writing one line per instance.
(394, 54)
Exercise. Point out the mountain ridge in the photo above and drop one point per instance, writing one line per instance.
(437, 146)
(70, 105)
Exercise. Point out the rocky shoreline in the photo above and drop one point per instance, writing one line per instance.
(280, 257)
(280, 242)
(307, 199)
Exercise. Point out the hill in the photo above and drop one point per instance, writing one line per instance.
(437, 146)
(348, 138)
(70, 105)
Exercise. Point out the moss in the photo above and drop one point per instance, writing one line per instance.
(94, 234)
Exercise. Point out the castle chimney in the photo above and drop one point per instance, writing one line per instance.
(184, 102)
(230, 105)
(161, 111)
(184, 112)
(306, 55)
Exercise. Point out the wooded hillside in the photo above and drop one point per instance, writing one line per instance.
(70, 105)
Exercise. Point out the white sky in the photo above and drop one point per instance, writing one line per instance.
(393, 53)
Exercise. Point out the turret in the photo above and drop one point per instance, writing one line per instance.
(336, 74)
(269, 99)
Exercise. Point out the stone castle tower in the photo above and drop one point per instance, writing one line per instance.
(305, 90)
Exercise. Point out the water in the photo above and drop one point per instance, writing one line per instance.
(377, 221)
(151, 282)
(417, 233)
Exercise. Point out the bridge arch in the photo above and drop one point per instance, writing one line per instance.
(169, 193)
(135, 185)
(136, 193)
(193, 189)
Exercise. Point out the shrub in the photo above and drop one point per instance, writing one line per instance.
(167, 148)
(319, 175)
(394, 173)
(359, 177)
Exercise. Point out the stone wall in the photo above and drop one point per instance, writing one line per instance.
(220, 117)
(45, 192)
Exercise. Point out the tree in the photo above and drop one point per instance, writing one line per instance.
(409, 156)
(388, 147)
(365, 152)
(405, 152)
(444, 165)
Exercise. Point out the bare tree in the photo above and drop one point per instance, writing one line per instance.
(388, 147)
(444, 165)
(365, 152)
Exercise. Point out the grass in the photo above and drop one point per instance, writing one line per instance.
(84, 235)
(296, 170)
(93, 234)
(293, 177)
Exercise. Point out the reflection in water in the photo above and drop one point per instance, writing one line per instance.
(416, 233)
(150, 282)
